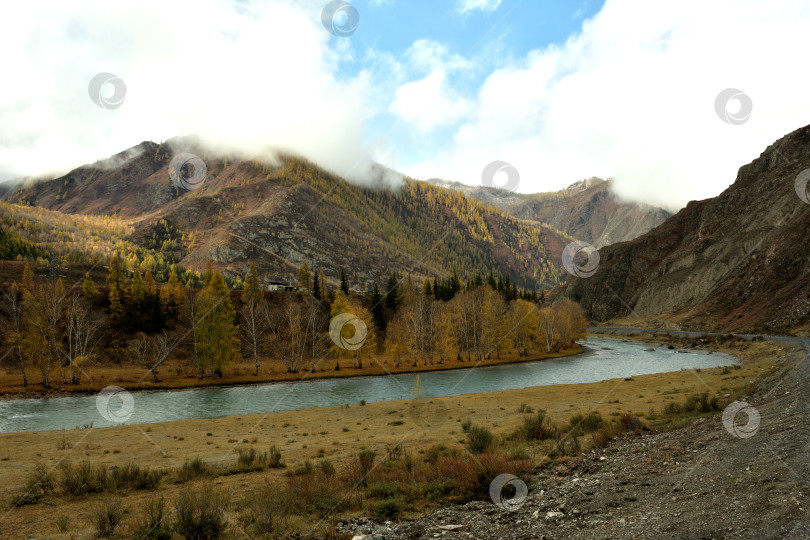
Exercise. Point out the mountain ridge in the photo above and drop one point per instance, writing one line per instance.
(587, 209)
(735, 262)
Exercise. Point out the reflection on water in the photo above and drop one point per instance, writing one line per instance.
(603, 359)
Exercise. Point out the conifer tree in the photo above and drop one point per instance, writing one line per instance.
(89, 287)
(214, 326)
(252, 288)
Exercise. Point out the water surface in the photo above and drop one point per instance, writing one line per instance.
(604, 359)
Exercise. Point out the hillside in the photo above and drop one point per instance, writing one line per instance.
(588, 210)
(279, 216)
(735, 262)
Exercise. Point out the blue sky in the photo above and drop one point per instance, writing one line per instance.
(498, 33)
(648, 93)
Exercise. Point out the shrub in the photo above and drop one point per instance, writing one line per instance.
(466, 425)
(41, 481)
(326, 467)
(247, 457)
(134, 477)
(84, 478)
(192, 469)
(269, 510)
(479, 439)
(524, 408)
(631, 422)
(152, 527)
(388, 509)
(274, 458)
(518, 453)
(62, 523)
(580, 424)
(432, 454)
(304, 469)
(365, 463)
(672, 408)
(535, 428)
(106, 518)
(200, 514)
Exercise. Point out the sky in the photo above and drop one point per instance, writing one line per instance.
(669, 99)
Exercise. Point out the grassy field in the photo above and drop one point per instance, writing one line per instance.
(426, 437)
(175, 374)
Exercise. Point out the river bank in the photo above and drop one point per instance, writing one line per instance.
(179, 375)
(336, 434)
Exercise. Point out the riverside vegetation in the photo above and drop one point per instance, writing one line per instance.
(57, 335)
(217, 478)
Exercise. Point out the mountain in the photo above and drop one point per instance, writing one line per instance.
(278, 216)
(736, 262)
(588, 210)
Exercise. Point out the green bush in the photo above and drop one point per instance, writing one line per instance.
(535, 428)
(479, 439)
(466, 425)
(580, 424)
(200, 514)
(388, 509)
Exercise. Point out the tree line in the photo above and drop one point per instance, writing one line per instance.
(54, 330)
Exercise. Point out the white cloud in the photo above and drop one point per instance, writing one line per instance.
(632, 96)
(429, 103)
(252, 78)
(467, 6)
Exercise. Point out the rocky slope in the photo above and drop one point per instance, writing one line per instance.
(588, 210)
(284, 211)
(736, 262)
(697, 481)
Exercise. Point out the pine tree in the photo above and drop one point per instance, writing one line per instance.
(426, 289)
(316, 286)
(392, 295)
(378, 309)
(344, 285)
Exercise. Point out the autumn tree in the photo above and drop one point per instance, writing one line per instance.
(214, 327)
(89, 288)
(81, 336)
(172, 299)
(524, 322)
(252, 318)
(12, 309)
(348, 331)
(42, 317)
(305, 277)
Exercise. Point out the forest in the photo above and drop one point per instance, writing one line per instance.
(54, 333)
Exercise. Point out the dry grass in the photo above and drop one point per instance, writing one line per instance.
(369, 427)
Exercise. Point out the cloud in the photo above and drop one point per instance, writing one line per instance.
(429, 103)
(632, 96)
(468, 6)
(248, 77)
